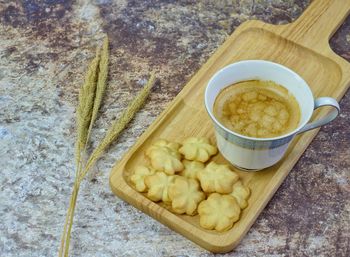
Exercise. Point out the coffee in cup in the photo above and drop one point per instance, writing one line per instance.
(257, 108)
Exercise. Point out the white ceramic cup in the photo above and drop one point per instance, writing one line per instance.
(251, 153)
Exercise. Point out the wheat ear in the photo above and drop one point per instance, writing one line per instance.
(101, 82)
(118, 126)
(85, 106)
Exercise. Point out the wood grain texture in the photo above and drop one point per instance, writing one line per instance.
(303, 47)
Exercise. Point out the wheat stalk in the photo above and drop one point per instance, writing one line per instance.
(90, 98)
(84, 113)
(86, 100)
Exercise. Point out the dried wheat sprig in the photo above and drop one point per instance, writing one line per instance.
(86, 99)
(118, 125)
(86, 95)
(101, 82)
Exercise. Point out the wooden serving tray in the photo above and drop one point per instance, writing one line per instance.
(303, 47)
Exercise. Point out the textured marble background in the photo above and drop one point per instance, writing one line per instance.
(44, 49)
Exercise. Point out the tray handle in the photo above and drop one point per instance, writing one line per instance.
(317, 24)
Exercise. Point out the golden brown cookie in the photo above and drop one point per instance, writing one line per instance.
(217, 178)
(191, 169)
(165, 143)
(218, 212)
(164, 156)
(158, 185)
(138, 178)
(241, 193)
(197, 149)
(185, 195)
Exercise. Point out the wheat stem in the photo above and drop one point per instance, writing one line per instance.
(72, 208)
(68, 222)
(63, 237)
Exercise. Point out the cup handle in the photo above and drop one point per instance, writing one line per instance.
(319, 102)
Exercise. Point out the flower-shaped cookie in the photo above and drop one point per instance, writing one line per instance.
(166, 143)
(217, 178)
(185, 195)
(138, 178)
(158, 185)
(218, 212)
(165, 157)
(241, 193)
(191, 169)
(197, 149)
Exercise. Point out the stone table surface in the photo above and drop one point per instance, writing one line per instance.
(44, 50)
